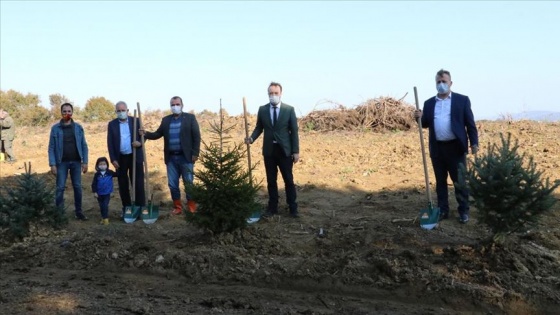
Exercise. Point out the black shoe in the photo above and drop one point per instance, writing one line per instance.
(81, 217)
(294, 215)
(443, 216)
(463, 218)
(269, 214)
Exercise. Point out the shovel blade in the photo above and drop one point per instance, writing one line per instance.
(429, 218)
(131, 214)
(255, 217)
(150, 214)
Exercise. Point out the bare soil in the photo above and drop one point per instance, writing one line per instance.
(362, 189)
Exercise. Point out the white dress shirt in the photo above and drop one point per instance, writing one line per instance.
(442, 119)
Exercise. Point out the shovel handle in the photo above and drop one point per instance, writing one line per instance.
(133, 194)
(419, 120)
(146, 175)
(247, 136)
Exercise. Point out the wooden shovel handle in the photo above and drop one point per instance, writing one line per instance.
(146, 175)
(247, 136)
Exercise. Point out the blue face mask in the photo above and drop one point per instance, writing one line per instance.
(442, 88)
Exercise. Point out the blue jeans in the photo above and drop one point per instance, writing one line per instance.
(103, 201)
(75, 168)
(178, 166)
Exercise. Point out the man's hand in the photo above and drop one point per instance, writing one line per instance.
(194, 158)
(115, 164)
(84, 168)
(95, 195)
(417, 114)
(248, 141)
(136, 144)
(295, 157)
(53, 170)
(474, 149)
(141, 132)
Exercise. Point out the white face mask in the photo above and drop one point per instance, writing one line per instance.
(122, 115)
(102, 168)
(442, 88)
(176, 110)
(274, 99)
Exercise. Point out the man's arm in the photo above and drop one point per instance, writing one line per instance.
(195, 133)
(470, 124)
(294, 134)
(156, 134)
(258, 127)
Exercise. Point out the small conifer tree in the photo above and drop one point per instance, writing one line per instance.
(508, 193)
(29, 201)
(224, 190)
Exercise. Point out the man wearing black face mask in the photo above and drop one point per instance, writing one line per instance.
(181, 135)
(68, 153)
(451, 125)
(280, 147)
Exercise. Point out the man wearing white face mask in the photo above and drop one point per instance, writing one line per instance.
(120, 145)
(280, 147)
(181, 136)
(451, 126)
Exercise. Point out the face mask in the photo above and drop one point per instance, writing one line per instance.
(122, 115)
(274, 99)
(442, 88)
(176, 110)
(102, 168)
(66, 117)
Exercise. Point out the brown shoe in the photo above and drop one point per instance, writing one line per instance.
(177, 207)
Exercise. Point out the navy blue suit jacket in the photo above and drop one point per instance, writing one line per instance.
(114, 139)
(462, 121)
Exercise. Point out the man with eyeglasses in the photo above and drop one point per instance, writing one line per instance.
(280, 147)
(451, 125)
(68, 153)
(181, 135)
(120, 145)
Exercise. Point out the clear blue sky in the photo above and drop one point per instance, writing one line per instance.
(505, 55)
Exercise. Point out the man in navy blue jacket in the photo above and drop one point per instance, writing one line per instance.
(450, 121)
(120, 145)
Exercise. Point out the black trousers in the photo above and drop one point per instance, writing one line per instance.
(124, 175)
(279, 161)
(449, 156)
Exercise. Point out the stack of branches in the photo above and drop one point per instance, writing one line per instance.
(379, 114)
(386, 113)
(340, 118)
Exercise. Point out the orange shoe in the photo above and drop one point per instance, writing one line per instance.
(191, 205)
(177, 207)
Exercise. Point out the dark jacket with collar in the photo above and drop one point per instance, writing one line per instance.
(114, 139)
(285, 132)
(462, 121)
(189, 135)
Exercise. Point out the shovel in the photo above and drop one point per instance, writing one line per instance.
(255, 216)
(150, 213)
(131, 212)
(429, 217)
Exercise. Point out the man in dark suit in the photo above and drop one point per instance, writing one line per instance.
(120, 145)
(280, 147)
(451, 126)
(181, 148)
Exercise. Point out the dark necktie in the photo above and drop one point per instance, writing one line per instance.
(274, 115)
